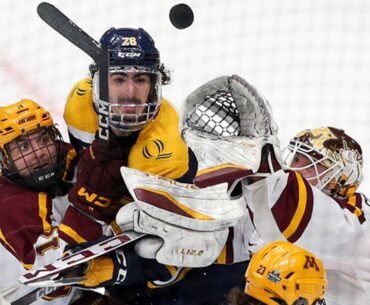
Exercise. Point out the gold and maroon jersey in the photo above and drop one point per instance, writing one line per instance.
(29, 234)
(29, 239)
(25, 216)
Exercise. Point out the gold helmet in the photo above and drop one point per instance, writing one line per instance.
(31, 151)
(281, 271)
(337, 154)
(21, 117)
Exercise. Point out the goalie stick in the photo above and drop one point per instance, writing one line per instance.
(71, 31)
(54, 275)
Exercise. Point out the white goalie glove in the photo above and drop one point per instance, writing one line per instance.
(192, 223)
(227, 122)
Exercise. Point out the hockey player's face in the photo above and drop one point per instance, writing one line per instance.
(130, 89)
(308, 169)
(32, 152)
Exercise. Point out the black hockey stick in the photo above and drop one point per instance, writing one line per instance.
(71, 31)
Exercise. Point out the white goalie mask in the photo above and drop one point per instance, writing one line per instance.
(227, 120)
(328, 158)
(131, 112)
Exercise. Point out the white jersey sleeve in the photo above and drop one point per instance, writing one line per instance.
(284, 206)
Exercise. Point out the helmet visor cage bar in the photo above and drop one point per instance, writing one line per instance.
(315, 158)
(34, 159)
(319, 302)
(131, 114)
(217, 115)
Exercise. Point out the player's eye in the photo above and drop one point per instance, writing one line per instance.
(45, 139)
(23, 145)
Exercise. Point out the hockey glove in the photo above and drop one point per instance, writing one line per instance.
(99, 186)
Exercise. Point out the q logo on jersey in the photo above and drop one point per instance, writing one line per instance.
(154, 149)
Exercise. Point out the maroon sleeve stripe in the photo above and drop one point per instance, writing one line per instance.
(293, 210)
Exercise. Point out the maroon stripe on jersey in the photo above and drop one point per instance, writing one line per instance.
(20, 220)
(229, 247)
(306, 216)
(286, 206)
(358, 200)
(251, 215)
(159, 201)
(82, 225)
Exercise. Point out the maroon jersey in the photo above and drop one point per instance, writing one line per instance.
(25, 215)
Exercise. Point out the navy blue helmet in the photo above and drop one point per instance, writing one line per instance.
(128, 46)
(132, 51)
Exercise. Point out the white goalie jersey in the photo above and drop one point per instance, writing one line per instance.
(284, 206)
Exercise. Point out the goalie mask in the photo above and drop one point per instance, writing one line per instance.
(31, 153)
(135, 78)
(282, 273)
(328, 158)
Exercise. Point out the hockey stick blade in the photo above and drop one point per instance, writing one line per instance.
(71, 31)
(54, 273)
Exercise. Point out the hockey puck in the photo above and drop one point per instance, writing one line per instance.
(181, 16)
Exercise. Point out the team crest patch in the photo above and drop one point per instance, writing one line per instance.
(274, 276)
(154, 149)
(81, 92)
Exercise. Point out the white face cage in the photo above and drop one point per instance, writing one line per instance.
(329, 170)
(130, 117)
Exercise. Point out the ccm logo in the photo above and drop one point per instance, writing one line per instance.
(94, 198)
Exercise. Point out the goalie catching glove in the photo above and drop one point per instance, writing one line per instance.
(227, 123)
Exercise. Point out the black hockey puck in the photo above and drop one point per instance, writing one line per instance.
(181, 16)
